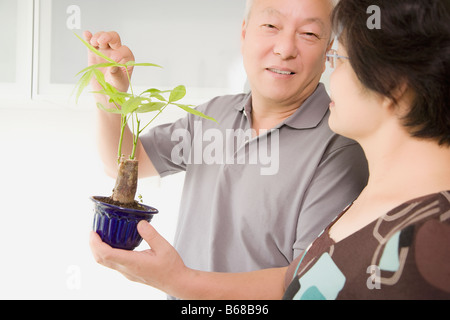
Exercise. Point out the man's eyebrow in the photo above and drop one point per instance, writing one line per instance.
(273, 11)
(270, 10)
(315, 20)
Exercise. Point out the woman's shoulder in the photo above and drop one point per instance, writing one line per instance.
(434, 206)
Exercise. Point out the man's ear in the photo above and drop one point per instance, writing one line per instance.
(330, 45)
(243, 33)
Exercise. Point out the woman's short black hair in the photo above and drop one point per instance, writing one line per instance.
(411, 45)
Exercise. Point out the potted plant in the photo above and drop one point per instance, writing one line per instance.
(116, 216)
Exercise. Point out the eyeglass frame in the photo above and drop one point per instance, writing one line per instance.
(332, 56)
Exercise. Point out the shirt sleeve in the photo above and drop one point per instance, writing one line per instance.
(168, 146)
(338, 180)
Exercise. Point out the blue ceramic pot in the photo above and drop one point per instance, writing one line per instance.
(117, 225)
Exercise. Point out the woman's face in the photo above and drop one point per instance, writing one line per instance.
(355, 111)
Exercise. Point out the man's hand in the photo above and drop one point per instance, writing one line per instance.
(160, 267)
(109, 44)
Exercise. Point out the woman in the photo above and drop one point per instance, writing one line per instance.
(390, 92)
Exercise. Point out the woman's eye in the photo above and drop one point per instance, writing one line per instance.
(270, 26)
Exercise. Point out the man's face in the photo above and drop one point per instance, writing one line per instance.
(284, 43)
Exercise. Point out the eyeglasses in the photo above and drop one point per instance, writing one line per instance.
(332, 58)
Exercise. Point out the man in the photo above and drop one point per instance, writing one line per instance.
(251, 211)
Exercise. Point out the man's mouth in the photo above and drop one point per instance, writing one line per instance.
(285, 72)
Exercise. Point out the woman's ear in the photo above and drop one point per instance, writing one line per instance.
(400, 100)
(400, 92)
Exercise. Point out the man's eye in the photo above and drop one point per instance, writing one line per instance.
(270, 26)
(310, 34)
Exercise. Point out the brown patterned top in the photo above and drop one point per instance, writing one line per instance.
(405, 254)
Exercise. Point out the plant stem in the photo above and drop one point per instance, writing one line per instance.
(126, 182)
(161, 110)
(122, 130)
(129, 80)
(135, 138)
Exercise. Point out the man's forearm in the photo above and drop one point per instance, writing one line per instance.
(267, 284)
(108, 134)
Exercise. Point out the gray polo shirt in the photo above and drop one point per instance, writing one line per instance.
(255, 202)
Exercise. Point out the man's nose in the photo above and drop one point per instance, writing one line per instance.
(286, 46)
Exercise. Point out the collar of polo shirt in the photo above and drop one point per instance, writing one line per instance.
(308, 115)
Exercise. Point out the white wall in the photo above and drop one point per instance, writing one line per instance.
(49, 165)
(49, 169)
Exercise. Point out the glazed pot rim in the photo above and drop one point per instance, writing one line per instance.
(147, 209)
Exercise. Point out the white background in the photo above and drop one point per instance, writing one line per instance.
(49, 165)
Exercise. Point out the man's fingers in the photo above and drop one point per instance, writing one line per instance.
(151, 236)
(98, 247)
(105, 40)
(113, 40)
(87, 35)
(109, 43)
(104, 254)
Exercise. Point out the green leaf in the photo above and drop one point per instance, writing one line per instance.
(150, 107)
(145, 64)
(95, 50)
(100, 77)
(132, 104)
(110, 110)
(159, 97)
(177, 93)
(83, 83)
(99, 65)
(155, 93)
(117, 97)
(151, 91)
(120, 94)
(194, 111)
